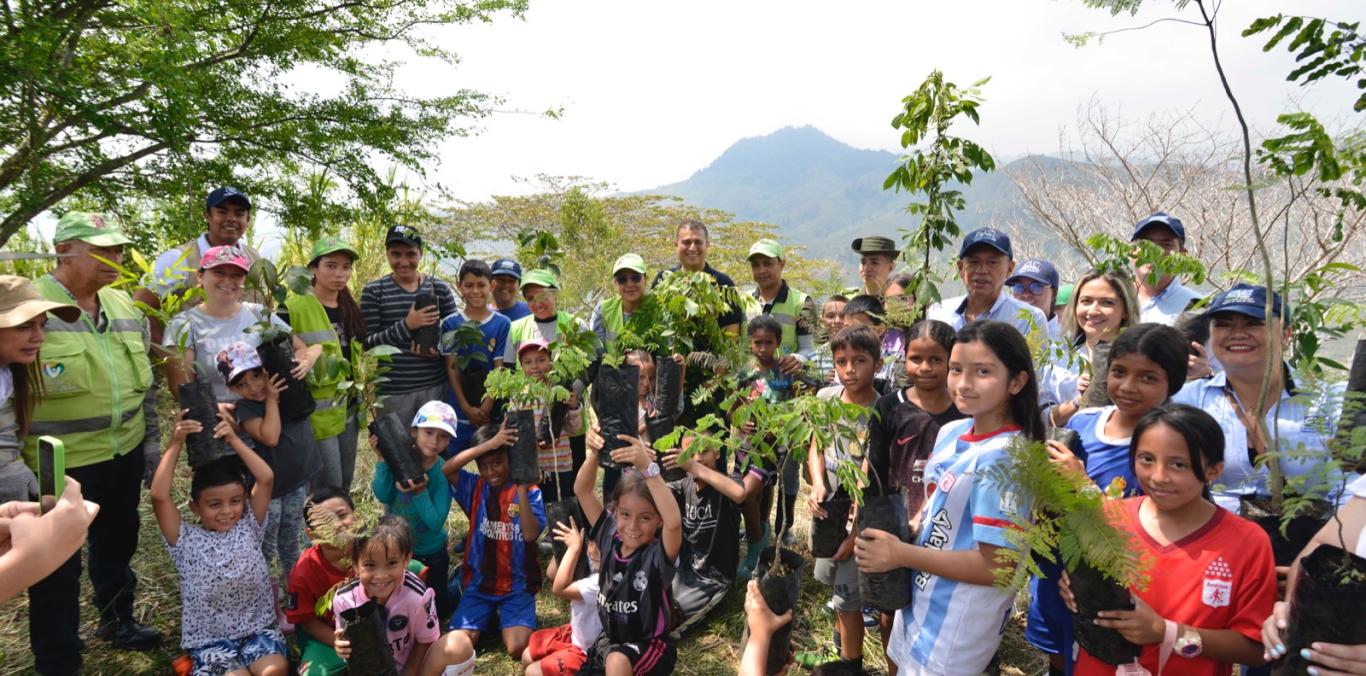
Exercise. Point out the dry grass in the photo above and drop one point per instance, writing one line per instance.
(712, 648)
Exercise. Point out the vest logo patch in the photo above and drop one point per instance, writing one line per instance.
(53, 369)
(1218, 584)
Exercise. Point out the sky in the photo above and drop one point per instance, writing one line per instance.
(654, 91)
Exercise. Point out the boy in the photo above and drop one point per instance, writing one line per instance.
(320, 569)
(501, 571)
(288, 446)
(467, 383)
(424, 504)
(869, 311)
(858, 357)
(552, 444)
(832, 318)
(561, 651)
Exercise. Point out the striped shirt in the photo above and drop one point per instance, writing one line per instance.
(954, 627)
(384, 305)
(498, 558)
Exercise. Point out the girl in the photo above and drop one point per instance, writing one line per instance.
(381, 559)
(23, 313)
(207, 329)
(227, 600)
(1147, 366)
(965, 518)
(639, 540)
(1203, 613)
(928, 346)
(1104, 304)
(330, 317)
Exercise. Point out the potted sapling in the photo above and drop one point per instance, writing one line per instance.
(276, 346)
(1066, 519)
(197, 397)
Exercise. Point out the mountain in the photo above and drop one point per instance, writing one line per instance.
(823, 193)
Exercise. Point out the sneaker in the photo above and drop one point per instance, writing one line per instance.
(870, 616)
(789, 538)
(830, 605)
(129, 635)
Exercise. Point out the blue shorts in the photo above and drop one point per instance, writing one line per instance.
(220, 657)
(515, 609)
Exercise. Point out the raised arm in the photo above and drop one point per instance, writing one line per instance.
(584, 490)
(531, 529)
(641, 457)
(506, 436)
(167, 514)
(563, 585)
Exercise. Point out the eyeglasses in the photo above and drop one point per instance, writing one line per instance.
(632, 278)
(1033, 288)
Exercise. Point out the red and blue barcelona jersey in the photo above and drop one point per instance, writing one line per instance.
(498, 559)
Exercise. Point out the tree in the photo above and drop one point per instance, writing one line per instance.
(106, 102)
(593, 228)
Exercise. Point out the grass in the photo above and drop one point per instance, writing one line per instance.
(711, 648)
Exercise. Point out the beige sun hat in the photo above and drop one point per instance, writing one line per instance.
(20, 302)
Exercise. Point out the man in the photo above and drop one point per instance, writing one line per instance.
(95, 372)
(985, 261)
(692, 241)
(506, 276)
(389, 307)
(877, 260)
(1035, 283)
(793, 309)
(1163, 299)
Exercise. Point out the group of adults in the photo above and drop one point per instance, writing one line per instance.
(80, 360)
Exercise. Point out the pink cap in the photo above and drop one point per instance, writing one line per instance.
(219, 256)
(534, 343)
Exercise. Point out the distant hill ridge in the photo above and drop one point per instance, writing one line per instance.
(824, 193)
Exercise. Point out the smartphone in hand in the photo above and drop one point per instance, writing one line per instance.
(51, 472)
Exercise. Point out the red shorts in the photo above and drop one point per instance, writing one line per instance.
(554, 649)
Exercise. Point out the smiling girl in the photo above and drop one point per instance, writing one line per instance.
(1103, 305)
(956, 615)
(1214, 579)
(639, 538)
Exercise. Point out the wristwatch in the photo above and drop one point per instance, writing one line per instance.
(651, 470)
(1188, 644)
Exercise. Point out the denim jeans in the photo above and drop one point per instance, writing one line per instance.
(284, 525)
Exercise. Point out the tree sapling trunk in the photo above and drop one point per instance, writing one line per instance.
(1096, 393)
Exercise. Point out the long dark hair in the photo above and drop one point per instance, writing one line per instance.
(1163, 345)
(28, 391)
(1010, 347)
(1204, 438)
(352, 321)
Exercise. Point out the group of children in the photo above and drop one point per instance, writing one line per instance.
(646, 564)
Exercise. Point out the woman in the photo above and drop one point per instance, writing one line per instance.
(1300, 424)
(1104, 304)
(610, 315)
(330, 318)
(207, 329)
(23, 314)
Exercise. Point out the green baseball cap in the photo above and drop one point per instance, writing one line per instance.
(630, 261)
(330, 244)
(1064, 295)
(766, 247)
(540, 277)
(89, 227)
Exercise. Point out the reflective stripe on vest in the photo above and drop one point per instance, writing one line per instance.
(93, 381)
(309, 320)
(786, 312)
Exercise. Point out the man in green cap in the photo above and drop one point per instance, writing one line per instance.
(793, 309)
(610, 315)
(877, 261)
(95, 373)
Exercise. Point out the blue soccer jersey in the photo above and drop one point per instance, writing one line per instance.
(498, 559)
(954, 627)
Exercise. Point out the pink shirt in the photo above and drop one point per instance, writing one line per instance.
(409, 615)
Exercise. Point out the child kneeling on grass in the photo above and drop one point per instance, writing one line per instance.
(381, 559)
(561, 651)
(501, 571)
(318, 572)
(227, 605)
(424, 504)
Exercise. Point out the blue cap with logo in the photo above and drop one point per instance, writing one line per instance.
(1246, 299)
(987, 237)
(1160, 219)
(506, 267)
(1038, 270)
(224, 194)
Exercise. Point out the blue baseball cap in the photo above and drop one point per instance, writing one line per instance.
(224, 194)
(506, 267)
(987, 236)
(1162, 219)
(1038, 270)
(1246, 299)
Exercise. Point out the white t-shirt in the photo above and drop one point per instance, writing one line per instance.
(208, 336)
(584, 622)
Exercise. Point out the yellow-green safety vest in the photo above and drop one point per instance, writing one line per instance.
(613, 319)
(309, 319)
(786, 312)
(93, 382)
